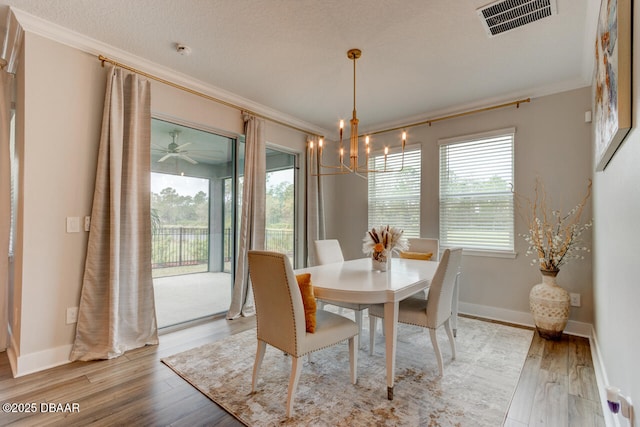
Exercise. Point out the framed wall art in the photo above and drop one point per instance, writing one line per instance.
(612, 116)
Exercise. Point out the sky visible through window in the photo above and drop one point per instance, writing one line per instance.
(190, 186)
(184, 185)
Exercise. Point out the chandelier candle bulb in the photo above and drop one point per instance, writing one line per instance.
(366, 144)
(386, 151)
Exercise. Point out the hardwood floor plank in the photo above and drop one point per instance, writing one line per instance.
(551, 402)
(584, 412)
(149, 406)
(522, 402)
(582, 379)
(555, 356)
(23, 384)
(513, 423)
(537, 346)
(5, 367)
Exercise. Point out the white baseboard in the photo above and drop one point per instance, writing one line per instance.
(520, 318)
(39, 361)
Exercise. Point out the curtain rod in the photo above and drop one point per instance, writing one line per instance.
(104, 59)
(453, 116)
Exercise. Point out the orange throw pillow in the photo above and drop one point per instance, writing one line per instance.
(308, 300)
(417, 255)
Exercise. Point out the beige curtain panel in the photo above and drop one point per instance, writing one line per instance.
(314, 205)
(252, 219)
(117, 308)
(5, 202)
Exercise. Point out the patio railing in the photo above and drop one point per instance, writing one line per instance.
(176, 246)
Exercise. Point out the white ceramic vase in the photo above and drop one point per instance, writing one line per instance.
(380, 261)
(549, 305)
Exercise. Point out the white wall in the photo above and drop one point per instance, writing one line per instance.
(58, 148)
(616, 266)
(552, 141)
(61, 96)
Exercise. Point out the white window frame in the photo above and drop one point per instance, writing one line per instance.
(411, 221)
(447, 194)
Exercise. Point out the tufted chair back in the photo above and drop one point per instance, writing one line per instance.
(279, 308)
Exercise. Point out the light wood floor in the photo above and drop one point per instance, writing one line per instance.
(557, 386)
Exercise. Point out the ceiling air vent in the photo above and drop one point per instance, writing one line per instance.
(505, 15)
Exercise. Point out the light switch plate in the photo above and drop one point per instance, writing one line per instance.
(73, 224)
(72, 315)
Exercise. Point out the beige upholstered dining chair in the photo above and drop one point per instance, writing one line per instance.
(432, 313)
(281, 319)
(329, 251)
(424, 245)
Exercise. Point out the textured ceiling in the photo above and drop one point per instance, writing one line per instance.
(420, 58)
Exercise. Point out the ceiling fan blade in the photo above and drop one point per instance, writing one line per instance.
(188, 159)
(158, 147)
(165, 157)
(179, 147)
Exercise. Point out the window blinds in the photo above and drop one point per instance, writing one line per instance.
(394, 197)
(476, 198)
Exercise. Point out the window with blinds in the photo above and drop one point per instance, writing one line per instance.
(476, 197)
(394, 197)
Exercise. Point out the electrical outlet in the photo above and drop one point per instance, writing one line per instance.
(72, 315)
(87, 223)
(575, 300)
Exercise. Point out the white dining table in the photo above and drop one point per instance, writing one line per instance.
(355, 281)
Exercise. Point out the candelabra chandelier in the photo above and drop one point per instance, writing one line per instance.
(315, 153)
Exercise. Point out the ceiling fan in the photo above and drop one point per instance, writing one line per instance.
(175, 150)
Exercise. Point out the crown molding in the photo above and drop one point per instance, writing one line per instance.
(63, 35)
(408, 122)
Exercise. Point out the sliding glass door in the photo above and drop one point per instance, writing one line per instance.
(196, 197)
(280, 209)
(194, 173)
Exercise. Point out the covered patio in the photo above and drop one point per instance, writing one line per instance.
(191, 296)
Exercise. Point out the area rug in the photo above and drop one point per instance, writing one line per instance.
(476, 388)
